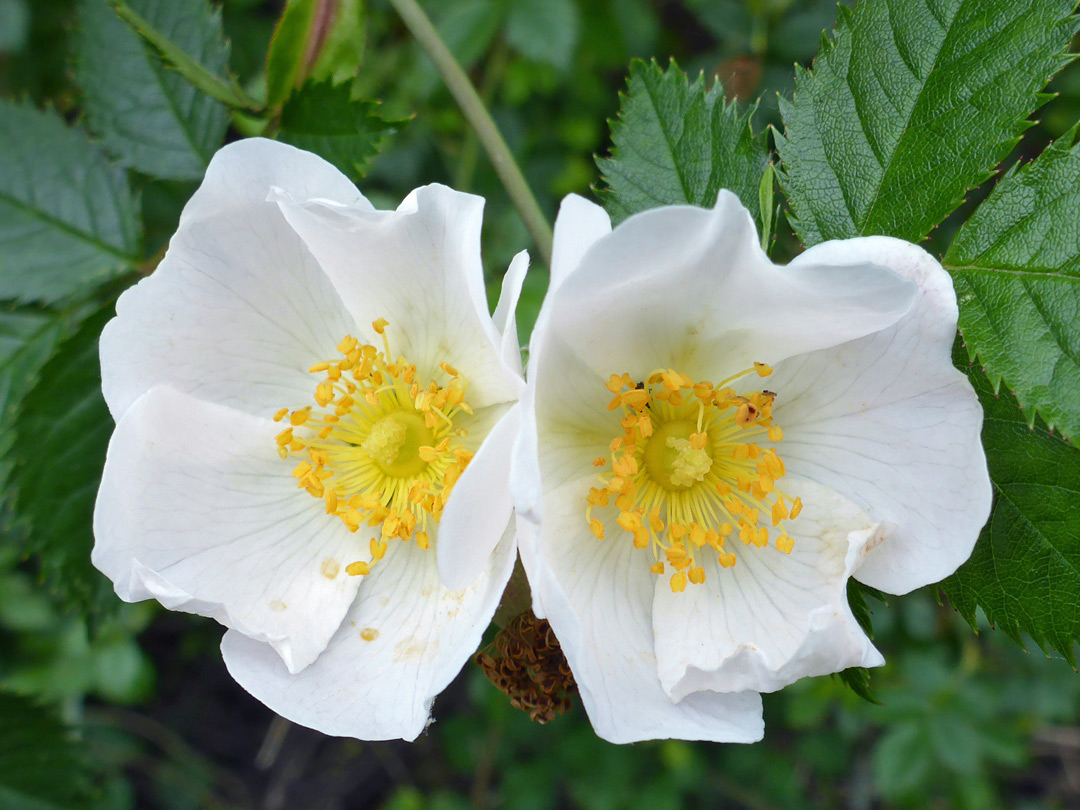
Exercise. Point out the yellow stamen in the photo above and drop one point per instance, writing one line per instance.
(380, 449)
(689, 470)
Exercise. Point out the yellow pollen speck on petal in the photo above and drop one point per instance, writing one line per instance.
(369, 634)
(690, 468)
(330, 568)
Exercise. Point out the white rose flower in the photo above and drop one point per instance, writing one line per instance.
(298, 388)
(711, 445)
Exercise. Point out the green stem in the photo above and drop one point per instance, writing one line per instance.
(470, 147)
(480, 120)
(215, 87)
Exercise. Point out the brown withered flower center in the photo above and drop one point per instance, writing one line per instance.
(526, 663)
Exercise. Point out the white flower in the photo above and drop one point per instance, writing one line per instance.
(297, 388)
(744, 438)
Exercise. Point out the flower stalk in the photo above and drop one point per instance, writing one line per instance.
(472, 107)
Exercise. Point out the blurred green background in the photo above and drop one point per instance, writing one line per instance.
(962, 721)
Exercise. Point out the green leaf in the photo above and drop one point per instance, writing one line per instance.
(146, 113)
(61, 434)
(41, 767)
(1016, 266)
(27, 341)
(678, 143)
(857, 679)
(911, 104)
(1025, 570)
(544, 32)
(68, 221)
(325, 119)
(857, 594)
(224, 90)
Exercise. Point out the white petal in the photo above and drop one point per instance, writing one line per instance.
(578, 225)
(238, 309)
(197, 511)
(479, 508)
(505, 316)
(598, 598)
(241, 174)
(773, 618)
(691, 289)
(419, 268)
(381, 689)
(888, 422)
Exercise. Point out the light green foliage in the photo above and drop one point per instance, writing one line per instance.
(68, 221)
(912, 103)
(62, 431)
(544, 32)
(325, 119)
(679, 142)
(146, 113)
(41, 767)
(1016, 266)
(1025, 571)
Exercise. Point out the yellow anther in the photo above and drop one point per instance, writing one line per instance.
(449, 369)
(428, 454)
(279, 415)
(298, 418)
(657, 568)
(357, 569)
(678, 582)
(796, 508)
(422, 540)
(688, 468)
(597, 528)
(315, 369)
(779, 511)
(331, 499)
(785, 543)
(380, 325)
(285, 437)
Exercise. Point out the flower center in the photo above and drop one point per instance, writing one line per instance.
(380, 448)
(672, 459)
(688, 470)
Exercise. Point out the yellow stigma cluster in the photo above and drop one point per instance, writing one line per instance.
(379, 448)
(688, 473)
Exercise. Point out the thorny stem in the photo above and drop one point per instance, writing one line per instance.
(480, 120)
